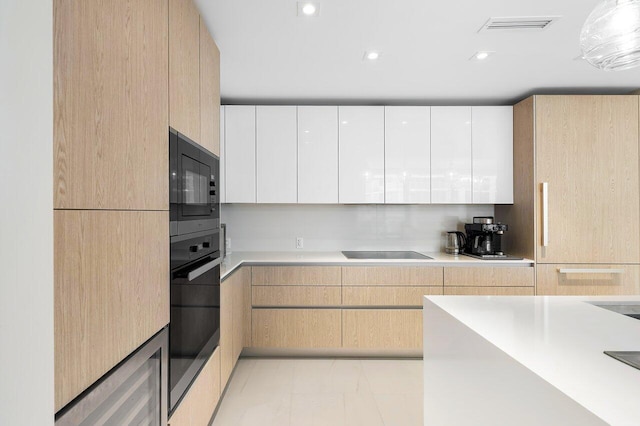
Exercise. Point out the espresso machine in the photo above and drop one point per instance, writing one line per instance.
(484, 239)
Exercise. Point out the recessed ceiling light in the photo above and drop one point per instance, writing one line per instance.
(371, 55)
(308, 9)
(481, 55)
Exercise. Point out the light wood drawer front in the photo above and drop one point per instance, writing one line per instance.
(296, 275)
(271, 296)
(581, 279)
(111, 291)
(392, 275)
(489, 291)
(387, 296)
(199, 403)
(296, 328)
(382, 328)
(484, 276)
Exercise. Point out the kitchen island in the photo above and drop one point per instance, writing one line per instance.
(529, 360)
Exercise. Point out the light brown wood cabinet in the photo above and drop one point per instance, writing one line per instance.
(199, 403)
(585, 148)
(209, 91)
(111, 105)
(296, 296)
(387, 296)
(392, 275)
(226, 330)
(296, 328)
(296, 275)
(184, 68)
(107, 302)
(235, 320)
(585, 279)
(486, 276)
(489, 291)
(382, 328)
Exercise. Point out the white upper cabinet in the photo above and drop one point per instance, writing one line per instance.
(277, 154)
(407, 155)
(492, 135)
(318, 154)
(361, 146)
(451, 155)
(223, 179)
(240, 152)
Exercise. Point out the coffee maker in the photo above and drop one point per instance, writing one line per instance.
(484, 238)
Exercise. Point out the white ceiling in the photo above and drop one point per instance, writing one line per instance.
(269, 55)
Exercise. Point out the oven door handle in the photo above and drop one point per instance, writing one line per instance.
(192, 275)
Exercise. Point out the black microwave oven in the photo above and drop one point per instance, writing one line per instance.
(193, 186)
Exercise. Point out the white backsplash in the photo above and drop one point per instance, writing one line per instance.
(271, 227)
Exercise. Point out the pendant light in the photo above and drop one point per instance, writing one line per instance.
(610, 38)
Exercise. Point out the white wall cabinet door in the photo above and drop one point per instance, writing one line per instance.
(407, 155)
(492, 148)
(361, 146)
(223, 179)
(318, 154)
(276, 142)
(240, 150)
(451, 155)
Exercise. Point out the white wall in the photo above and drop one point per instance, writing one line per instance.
(26, 213)
(345, 227)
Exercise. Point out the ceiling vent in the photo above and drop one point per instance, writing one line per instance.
(519, 23)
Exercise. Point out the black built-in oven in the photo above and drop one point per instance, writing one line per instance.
(193, 186)
(194, 331)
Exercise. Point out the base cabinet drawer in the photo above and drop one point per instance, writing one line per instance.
(198, 405)
(391, 276)
(296, 275)
(486, 276)
(489, 291)
(587, 279)
(296, 328)
(280, 296)
(382, 328)
(387, 296)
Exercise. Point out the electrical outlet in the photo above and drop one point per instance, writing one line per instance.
(299, 242)
(228, 242)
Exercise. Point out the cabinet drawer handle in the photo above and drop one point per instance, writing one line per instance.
(590, 271)
(545, 214)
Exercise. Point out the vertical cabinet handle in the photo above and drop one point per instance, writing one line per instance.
(545, 214)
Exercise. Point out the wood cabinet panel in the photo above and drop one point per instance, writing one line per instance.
(521, 215)
(489, 291)
(200, 402)
(296, 328)
(226, 329)
(382, 328)
(392, 275)
(184, 68)
(209, 91)
(587, 152)
(246, 292)
(588, 280)
(387, 296)
(296, 275)
(483, 276)
(238, 318)
(271, 296)
(111, 291)
(110, 105)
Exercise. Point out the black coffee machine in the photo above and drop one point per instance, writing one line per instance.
(484, 238)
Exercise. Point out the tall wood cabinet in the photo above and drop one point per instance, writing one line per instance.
(110, 105)
(578, 194)
(184, 68)
(209, 91)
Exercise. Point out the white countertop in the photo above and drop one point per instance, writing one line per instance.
(559, 338)
(235, 259)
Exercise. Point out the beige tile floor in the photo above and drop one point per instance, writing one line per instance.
(323, 392)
